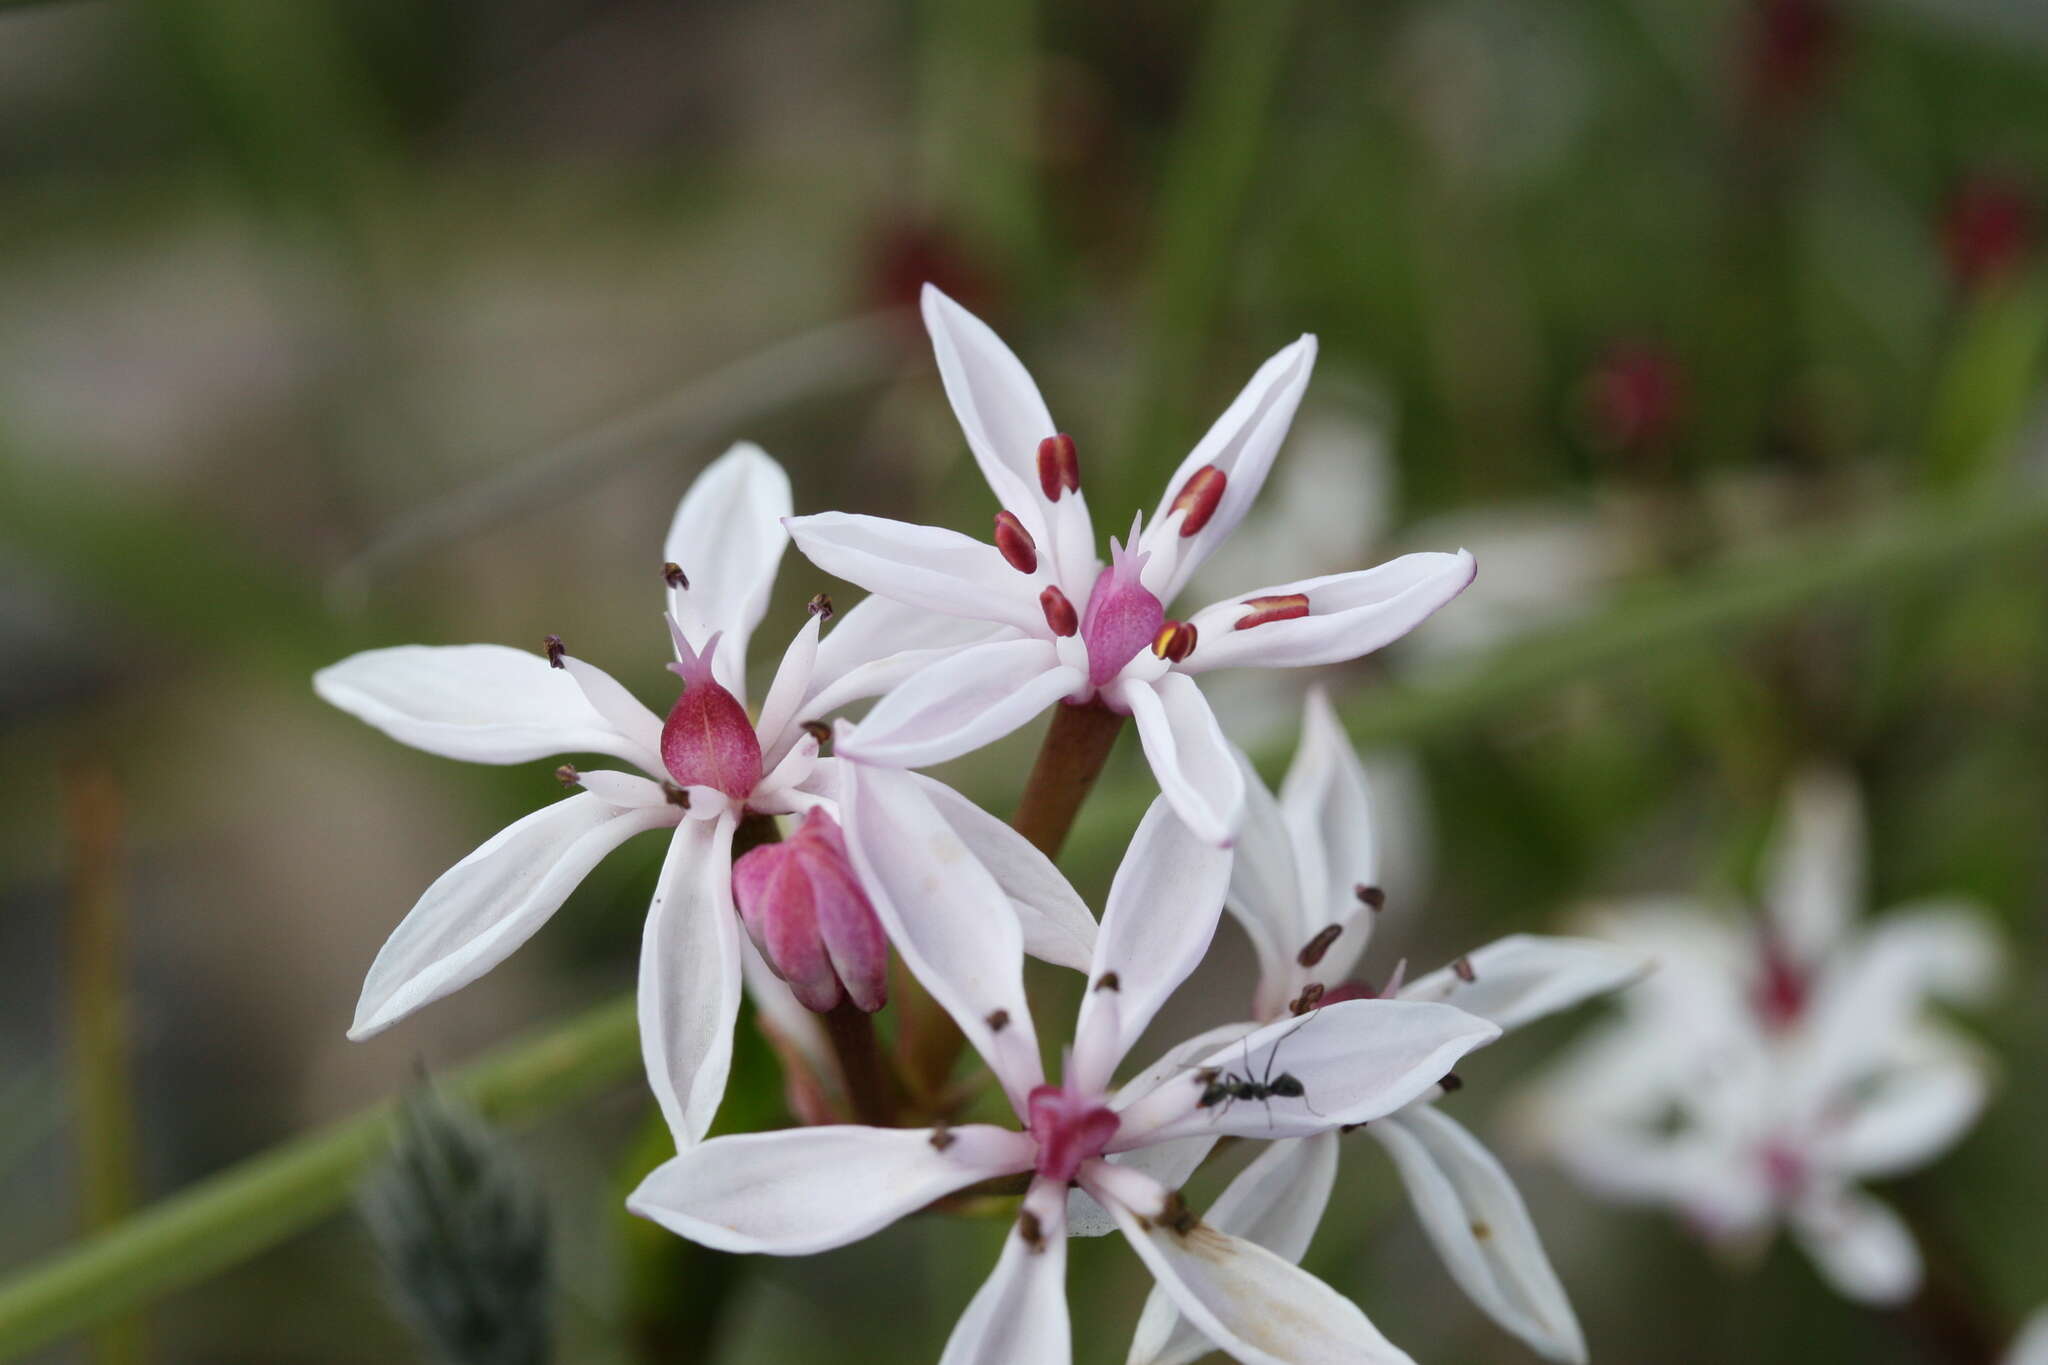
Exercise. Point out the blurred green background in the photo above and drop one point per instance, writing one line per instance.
(1714, 328)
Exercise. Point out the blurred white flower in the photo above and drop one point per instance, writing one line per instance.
(2030, 1347)
(1766, 1069)
(811, 1189)
(1078, 632)
(1306, 888)
(705, 768)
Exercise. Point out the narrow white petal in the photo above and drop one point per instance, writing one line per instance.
(2031, 1346)
(948, 919)
(1813, 884)
(480, 910)
(1019, 1316)
(781, 708)
(1329, 812)
(1161, 915)
(1053, 918)
(1266, 895)
(689, 993)
(1861, 1246)
(1191, 759)
(1277, 1201)
(623, 789)
(1241, 443)
(1000, 410)
(1525, 976)
(804, 1190)
(1356, 1061)
(880, 643)
(483, 703)
(961, 703)
(1475, 1217)
(727, 537)
(1911, 1111)
(1350, 614)
(927, 567)
(621, 710)
(1260, 1308)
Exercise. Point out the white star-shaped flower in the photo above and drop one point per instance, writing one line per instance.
(1076, 631)
(1766, 1070)
(701, 771)
(811, 1189)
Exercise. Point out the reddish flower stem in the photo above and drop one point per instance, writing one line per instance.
(1069, 761)
(852, 1033)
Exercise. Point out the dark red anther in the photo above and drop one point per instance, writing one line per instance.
(1312, 952)
(1462, 969)
(1198, 498)
(1174, 642)
(1059, 612)
(1371, 897)
(1782, 991)
(1018, 549)
(673, 575)
(1031, 1229)
(820, 607)
(1311, 996)
(567, 775)
(1286, 606)
(552, 647)
(1059, 467)
(1452, 1083)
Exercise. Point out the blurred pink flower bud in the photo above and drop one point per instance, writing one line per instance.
(1634, 396)
(806, 912)
(1987, 230)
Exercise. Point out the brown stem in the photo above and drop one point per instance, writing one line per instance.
(852, 1031)
(1948, 1316)
(1069, 761)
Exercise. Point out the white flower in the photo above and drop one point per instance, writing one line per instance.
(808, 1190)
(1306, 888)
(1079, 632)
(699, 773)
(1767, 1069)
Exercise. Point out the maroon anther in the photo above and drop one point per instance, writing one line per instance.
(1462, 969)
(1371, 897)
(1174, 642)
(1017, 547)
(552, 647)
(1312, 952)
(567, 775)
(1311, 996)
(820, 606)
(1286, 606)
(1059, 612)
(1198, 498)
(673, 575)
(1452, 1083)
(1059, 467)
(1782, 990)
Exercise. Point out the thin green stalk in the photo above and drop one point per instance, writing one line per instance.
(226, 1219)
(248, 1208)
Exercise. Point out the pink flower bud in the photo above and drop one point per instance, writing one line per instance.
(708, 740)
(807, 914)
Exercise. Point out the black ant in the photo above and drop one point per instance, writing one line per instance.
(1228, 1087)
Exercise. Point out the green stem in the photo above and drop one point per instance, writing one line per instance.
(244, 1210)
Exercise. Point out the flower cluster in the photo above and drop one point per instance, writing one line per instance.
(794, 870)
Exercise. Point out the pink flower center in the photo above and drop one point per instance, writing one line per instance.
(708, 740)
(1784, 1170)
(1122, 617)
(1781, 989)
(1069, 1128)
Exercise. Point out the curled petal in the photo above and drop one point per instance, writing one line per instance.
(804, 1190)
(926, 567)
(961, 703)
(1813, 885)
(689, 992)
(1349, 615)
(480, 910)
(1860, 1245)
(1194, 763)
(1019, 1316)
(727, 537)
(880, 643)
(482, 703)
(1525, 976)
(1481, 1228)
(1329, 811)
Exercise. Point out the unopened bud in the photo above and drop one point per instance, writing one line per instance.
(806, 912)
(1015, 544)
(1198, 498)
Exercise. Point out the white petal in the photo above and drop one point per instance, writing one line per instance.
(2031, 1346)
(1356, 1061)
(1277, 1201)
(484, 907)
(1813, 887)
(880, 643)
(727, 537)
(1260, 1308)
(804, 1190)
(1000, 410)
(1242, 444)
(1860, 1245)
(781, 708)
(483, 703)
(948, 919)
(622, 789)
(1329, 812)
(1191, 759)
(961, 703)
(621, 710)
(689, 992)
(1525, 976)
(1909, 1112)
(1350, 614)
(1162, 913)
(1476, 1218)
(1019, 1315)
(926, 567)
(1265, 895)
(1055, 921)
